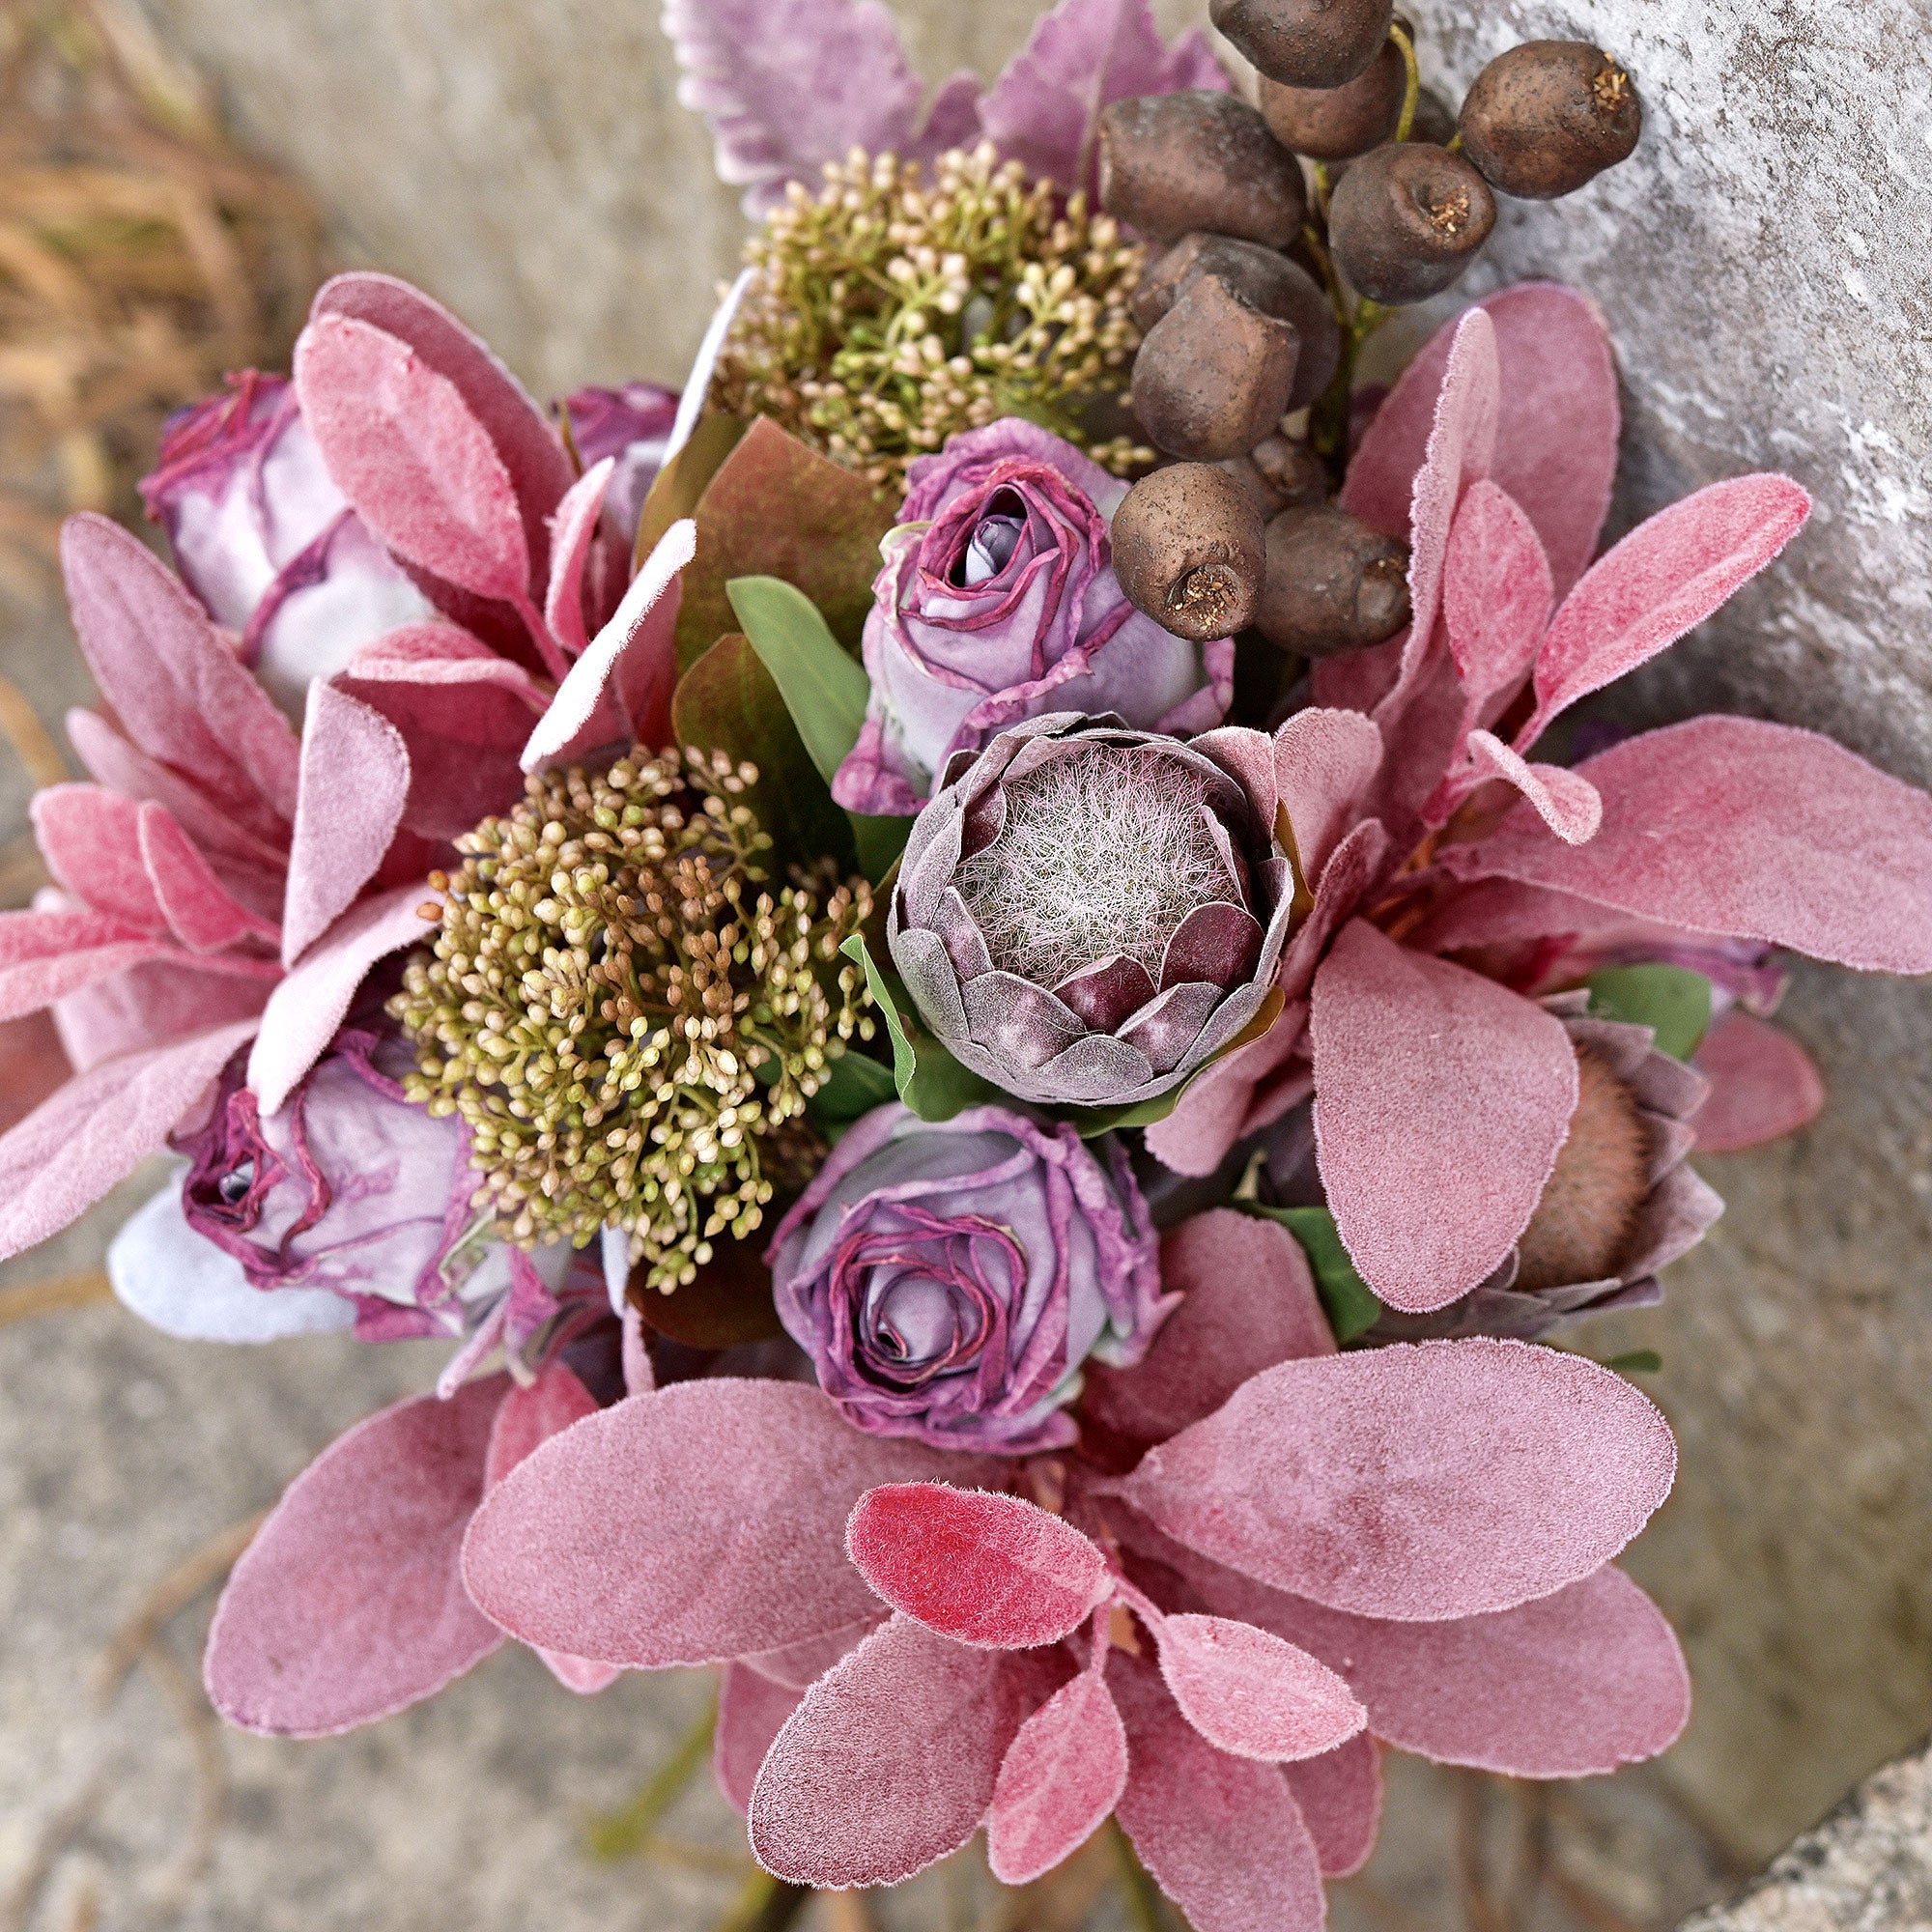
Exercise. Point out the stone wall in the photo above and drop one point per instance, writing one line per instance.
(1763, 265)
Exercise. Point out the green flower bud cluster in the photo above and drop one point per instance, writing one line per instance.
(886, 314)
(626, 1016)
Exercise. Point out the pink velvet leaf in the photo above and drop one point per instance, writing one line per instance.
(1497, 597)
(1556, 429)
(201, 911)
(751, 1711)
(520, 432)
(91, 841)
(984, 1569)
(1756, 831)
(1247, 1301)
(1340, 1798)
(1250, 1694)
(45, 956)
(1325, 763)
(573, 531)
(1566, 801)
(1440, 1101)
(99, 1126)
(1663, 579)
(1061, 1776)
(1419, 1481)
(178, 691)
(356, 780)
(311, 1002)
(1763, 1084)
(405, 448)
(656, 1477)
(1220, 1834)
(348, 1606)
(888, 1765)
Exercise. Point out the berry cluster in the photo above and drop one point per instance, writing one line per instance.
(1281, 237)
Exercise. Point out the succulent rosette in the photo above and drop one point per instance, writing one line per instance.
(1085, 914)
(947, 1279)
(998, 602)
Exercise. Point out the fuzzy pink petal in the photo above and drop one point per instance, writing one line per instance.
(1220, 1834)
(355, 780)
(178, 691)
(1496, 596)
(347, 1605)
(404, 447)
(702, 1523)
(1440, 1101)
(1061, 1776)
(1340, 1798)
(1423, 1480)
(1247, 1301)
(573, 531)
(46, 955)
(1566, 801)
(202, 913)
(91, 841)
(1557, 442)
(1756, 831)
(306, 1009)
(1667, 575)
(520, 432)
(1252, 1693)
(889, 1764)
(1763, 1084)
(1325, 763)
(983, 1569)
(98, 1128)
(751, 1711)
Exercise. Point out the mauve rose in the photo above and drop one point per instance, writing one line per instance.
(633, 424)
(998, 602)
(269, 543)
(949, 1278)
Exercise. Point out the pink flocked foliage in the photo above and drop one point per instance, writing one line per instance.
(1263, 1557)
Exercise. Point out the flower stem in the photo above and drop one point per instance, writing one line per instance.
(1405, 121)
(1142, 1895)
(622, 1834)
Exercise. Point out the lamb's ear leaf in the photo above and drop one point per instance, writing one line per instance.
(930, 1081)
(1672, 1001)
(1351, 1308)
(727, 701)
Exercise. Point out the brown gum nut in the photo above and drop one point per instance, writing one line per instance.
(1172, 162)
(1407, 219)
(1264, 279)
(1332, 124)
(1278, 474)
(1214, 374)
(1333, 583)
(1190, 549)
(1547, 115)
(1305, 42)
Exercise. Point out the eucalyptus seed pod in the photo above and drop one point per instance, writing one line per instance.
(1190, 550)
(1265, 280)
(1214, 374)
(1547, 115)
(1333, 123)
(1407, 219)
(1280, 475)
(1172, 162)
(1333, 583)
(1305, 42)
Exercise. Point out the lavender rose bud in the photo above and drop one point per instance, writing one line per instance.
(998, 602)
(633, 424)
(947, 1279)
(1085, 914)
(269, 543)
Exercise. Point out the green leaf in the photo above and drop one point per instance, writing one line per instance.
(1637, 1362)
(823, 689)
(727, 703)
(676, 488)
(1352, 1309)
(929, 1080)
(853, 1085)
(880, 841)
(1671, 1000)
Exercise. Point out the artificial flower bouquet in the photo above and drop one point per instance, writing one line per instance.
(981, 971)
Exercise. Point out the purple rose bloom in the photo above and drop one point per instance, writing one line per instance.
(633, 425)
(949, 1278)
(269, 543)
(998, 602)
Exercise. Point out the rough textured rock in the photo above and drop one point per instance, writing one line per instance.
(1866, 1868)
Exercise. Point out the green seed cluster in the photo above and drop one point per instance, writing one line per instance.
(886, 315)
(625, 1015)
